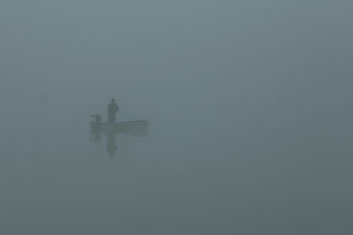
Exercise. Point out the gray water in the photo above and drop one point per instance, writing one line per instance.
(249, 105)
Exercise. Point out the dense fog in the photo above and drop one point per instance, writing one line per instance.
(249, 105)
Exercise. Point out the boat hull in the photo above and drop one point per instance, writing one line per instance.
(138, 127)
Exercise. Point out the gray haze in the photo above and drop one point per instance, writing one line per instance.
(249, 104)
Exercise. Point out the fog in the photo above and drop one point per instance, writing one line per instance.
(249, 105)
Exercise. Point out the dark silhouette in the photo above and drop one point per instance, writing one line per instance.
(96, 127)
(97, 118)
(111, 128)
(133, 128)
(112, 110)
(111, 144)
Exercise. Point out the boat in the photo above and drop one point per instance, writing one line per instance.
(137, 127)
(111, 128)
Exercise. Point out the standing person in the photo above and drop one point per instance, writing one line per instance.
(112, 110)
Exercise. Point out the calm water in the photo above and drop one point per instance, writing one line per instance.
(250, 111)
(197, 172)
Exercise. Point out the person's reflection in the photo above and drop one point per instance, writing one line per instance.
(96, 137)
(111, 145)
(96, 128)
(99, 128)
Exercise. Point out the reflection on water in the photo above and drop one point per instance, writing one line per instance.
(111, 130)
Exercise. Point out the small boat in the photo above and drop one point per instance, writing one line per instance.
(111, 128)
(137, 127)
(127, 124)
(124, 127)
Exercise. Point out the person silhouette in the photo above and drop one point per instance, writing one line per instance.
(112, 110)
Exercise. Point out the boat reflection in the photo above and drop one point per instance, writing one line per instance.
(111, 130)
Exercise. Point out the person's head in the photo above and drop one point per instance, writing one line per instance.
(113, 100)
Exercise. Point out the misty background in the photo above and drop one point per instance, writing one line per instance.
(249, 104)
